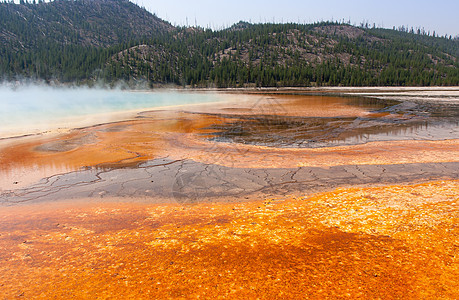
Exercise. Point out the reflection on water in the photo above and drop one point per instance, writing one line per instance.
(384, 121)
(272, 121)
(21, 176)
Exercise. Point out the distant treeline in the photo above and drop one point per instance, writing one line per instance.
(74, 45)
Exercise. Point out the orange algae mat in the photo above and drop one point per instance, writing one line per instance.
(370, 242)
(362, 242)
(131, 142)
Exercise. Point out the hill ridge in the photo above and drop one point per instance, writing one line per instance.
(87, 41)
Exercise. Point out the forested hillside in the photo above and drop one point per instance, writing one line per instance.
(69, 40)
(88, 41)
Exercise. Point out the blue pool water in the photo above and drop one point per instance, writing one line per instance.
(33, 109)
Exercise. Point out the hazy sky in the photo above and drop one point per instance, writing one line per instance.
(439, 15)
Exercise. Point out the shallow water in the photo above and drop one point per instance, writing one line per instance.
(36, 109)
(222, 133)
(384, 120)
(121, 208)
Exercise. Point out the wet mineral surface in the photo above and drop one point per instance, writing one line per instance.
(190, 182)
(386, 120)
(281, 196)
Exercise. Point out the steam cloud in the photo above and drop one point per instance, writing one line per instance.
(33, 108)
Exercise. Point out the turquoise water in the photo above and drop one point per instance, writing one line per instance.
(34, 109)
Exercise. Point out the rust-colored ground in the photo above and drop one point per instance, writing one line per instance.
(379, 242)
(179, 136)
(364, 242)
(169, 133)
